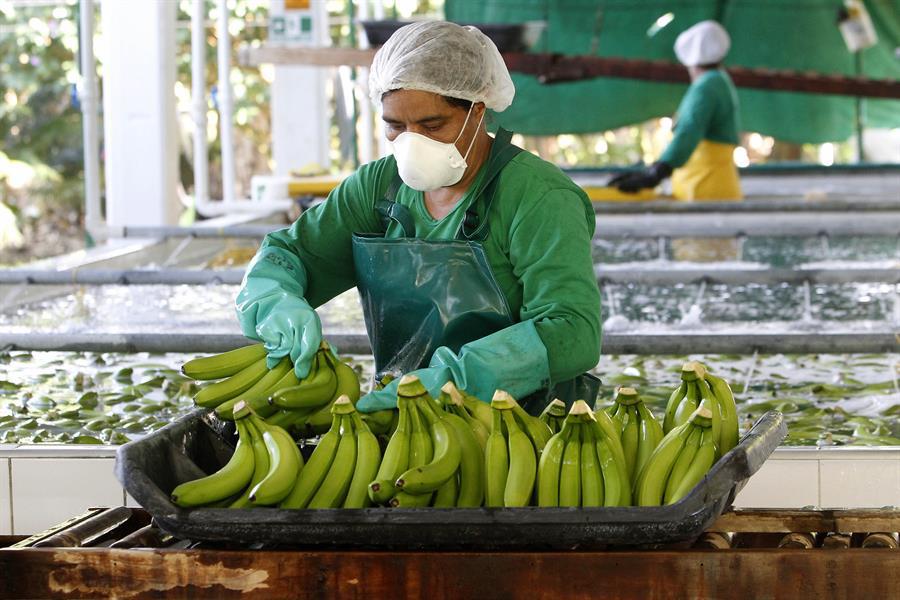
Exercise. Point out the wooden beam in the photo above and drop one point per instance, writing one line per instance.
(559, 68)
(281, 574)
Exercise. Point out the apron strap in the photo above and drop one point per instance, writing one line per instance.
(389, 211)
(473, 227)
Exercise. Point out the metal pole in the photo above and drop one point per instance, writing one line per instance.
(613, 343)
(198, 101)
(706, 225)
(632, 273)
(89, 97)
(225, 101)
(623, 273)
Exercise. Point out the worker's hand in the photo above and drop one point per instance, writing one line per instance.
(646, 177)
(270, 308)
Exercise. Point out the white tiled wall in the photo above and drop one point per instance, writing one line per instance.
(826, 478)
(5, 510)
(47, 491)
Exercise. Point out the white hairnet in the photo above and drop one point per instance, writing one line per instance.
(706, 43)
(444, 58)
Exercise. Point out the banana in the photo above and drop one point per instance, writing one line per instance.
(224, 483)
(396, 458)
(522, 463)
(347, 381)
(318, 421)
(368, 457)
(333, 490)
(591, 475)
(421, 448)
(703, 461)
(258, 391)
(690, 403)
(453, 402)
(538, 432)
(712, 404)
(220, 391)
(604, 431)
(616, 488)
(471, 463)
(446, 495)
(570, 469)
(650, 434)
(314, 391)
(443, 466)
(674, 400)
(630, 435)
(728, 438)
(285, 463)
(651, 483)
(478, 409)
(260, 462)
(549, 467)
(225, 364)
(313, 474)
(405, 500)
(496, 463)
(682, 463)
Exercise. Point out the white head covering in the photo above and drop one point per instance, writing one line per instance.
(705, 43)
(444, 58)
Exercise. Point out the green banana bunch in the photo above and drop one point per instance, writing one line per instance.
(700, 388)
(511, 470)
(225, 364)
(553, 415)
(678, 458)
(640, 432)
(325, 466)
(225, 483)
(261, 470)
(583, 464)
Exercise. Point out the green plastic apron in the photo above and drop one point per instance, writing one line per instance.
(418, 295)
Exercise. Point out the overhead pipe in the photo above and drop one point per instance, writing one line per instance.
(225, 102)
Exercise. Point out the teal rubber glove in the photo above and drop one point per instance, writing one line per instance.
(270, 308)
(513, 359)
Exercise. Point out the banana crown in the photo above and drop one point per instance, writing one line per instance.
(502, 400)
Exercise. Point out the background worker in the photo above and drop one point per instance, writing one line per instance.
(700, 156)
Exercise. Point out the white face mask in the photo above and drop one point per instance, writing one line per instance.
(425, 164)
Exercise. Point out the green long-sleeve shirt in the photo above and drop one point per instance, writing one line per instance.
(538, 245)
(708, 111)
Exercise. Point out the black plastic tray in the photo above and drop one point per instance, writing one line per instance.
(152, 466)
(506, 36)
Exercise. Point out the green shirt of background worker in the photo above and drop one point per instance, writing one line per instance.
(435, 81)
(700, 156)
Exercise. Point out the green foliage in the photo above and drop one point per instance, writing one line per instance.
(40, 125)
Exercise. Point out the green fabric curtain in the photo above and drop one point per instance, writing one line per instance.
(781, 34)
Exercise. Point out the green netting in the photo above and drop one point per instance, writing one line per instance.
(781, 34)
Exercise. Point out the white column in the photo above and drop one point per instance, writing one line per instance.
(140, 143)
(301, 115)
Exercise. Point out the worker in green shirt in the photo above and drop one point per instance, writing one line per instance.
(700, 157)
(472, 258)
